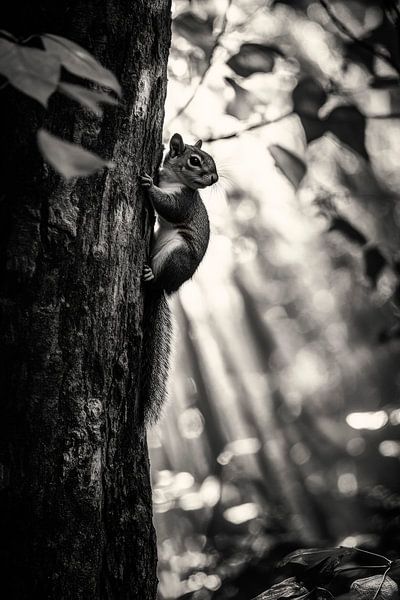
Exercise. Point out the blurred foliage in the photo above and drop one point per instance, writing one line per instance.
(34, 66)
(283, 426)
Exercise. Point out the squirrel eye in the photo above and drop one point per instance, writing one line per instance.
(194, 161)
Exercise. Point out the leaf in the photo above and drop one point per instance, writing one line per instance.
(323, 594)
(308, 96)
(395, 566)
(317, 567)
(349, 231)
(254, 58)
(80, 62)
(396, 300)
(69, 159)
(88, 98)
(354, 53)
(195, 30)
(383, 83)
(311, 557)
(374, 262)
(289, 588)
(385, 336)
(347, 123)
(289, 164)
(386, 36)
(241, 106)
(367, 587)
(30, 70)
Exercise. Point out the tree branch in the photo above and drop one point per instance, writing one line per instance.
(362, 43)
(234, 134)
(216, 44)
(249, 128)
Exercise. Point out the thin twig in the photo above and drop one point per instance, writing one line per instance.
(216, 44)
(249, 128)
(234, 134)
(362, 43)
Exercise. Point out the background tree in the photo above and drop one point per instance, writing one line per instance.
(75, 502)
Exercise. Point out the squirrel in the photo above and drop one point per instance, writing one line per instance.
(177, 248)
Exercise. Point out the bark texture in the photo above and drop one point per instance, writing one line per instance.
(75, 496)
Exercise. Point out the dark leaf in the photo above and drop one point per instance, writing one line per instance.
(395, 566)
(317, 567)
(380, 83)
(386, 36)
(69, 159)
(88, 98)
(342, 226)
(30, 70)
(347, 123)
(308, 96)
(289, 164)
(311, 557)
(367, 588)
(322, 593)
(80, 62)
(242, 105)
(396, 266)
(196, 30)
(374, 262)
(289, 588)
(384, 337)
(254, 58)
(396, 295)
(354, 53)
(313, 127)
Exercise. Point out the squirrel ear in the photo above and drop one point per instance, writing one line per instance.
(176, 145)
(198, 143)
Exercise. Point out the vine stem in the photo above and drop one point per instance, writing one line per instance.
(381, 584)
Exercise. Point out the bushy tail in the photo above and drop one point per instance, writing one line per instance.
(157, 331)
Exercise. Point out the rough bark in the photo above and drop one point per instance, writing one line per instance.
(75, 497)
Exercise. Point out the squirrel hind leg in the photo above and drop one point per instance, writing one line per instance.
(176, 268)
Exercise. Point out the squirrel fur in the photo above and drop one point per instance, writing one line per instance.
(177, 248)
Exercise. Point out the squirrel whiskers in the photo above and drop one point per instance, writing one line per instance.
(178, 246)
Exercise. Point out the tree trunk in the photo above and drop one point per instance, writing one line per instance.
(75, 496)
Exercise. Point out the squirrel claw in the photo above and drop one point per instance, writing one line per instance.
(148, 274)
(146, 180)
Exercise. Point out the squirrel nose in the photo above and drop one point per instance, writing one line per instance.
(214, 178)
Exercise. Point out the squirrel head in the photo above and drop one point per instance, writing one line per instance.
(189, 164)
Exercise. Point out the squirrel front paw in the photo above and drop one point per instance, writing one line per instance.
(146, 180)
(148, 274)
